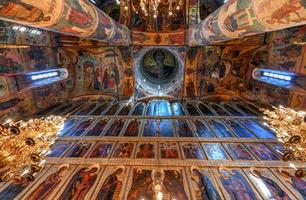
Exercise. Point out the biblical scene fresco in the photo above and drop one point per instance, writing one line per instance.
(144, 38)
(50, 95)
(75, 17)
(101, 70)
(239, 18)
(17, 107)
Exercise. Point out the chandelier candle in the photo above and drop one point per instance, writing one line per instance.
(290, 127)
(24, 145)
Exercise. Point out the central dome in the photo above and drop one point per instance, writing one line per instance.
(159, 67)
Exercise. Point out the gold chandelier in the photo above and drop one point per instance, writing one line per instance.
(290, 127)
(24, 145)
(150, 7)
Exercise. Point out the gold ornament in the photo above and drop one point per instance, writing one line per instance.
(24, 145)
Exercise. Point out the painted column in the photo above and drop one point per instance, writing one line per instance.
(239, 18)
(73, 17)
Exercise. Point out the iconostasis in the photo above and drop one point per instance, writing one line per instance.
(121, 150)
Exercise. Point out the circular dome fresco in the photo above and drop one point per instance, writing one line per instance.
(158, 68)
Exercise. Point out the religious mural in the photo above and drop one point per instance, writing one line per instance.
(112, 185)
(75, 17)
(45, 188)
(81, 183)
(236, 184)
(238, 18)
(187, 168)
(204, 185)
(273, 188)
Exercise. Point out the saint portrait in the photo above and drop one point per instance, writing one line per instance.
(169, 151)
(47, 186)
(80, 184)
(79, 129)
(79, 150)
(205, 190)
(298, 184)
(192, 151)
(12, 190)
(146, 150)
(215, 151)
(174, 185)
(262, 152)
(133, 128)
(238, 151)
(58, 149)
(111, 186)
(275, 190)
(101, 150)
(236, 185)
(142, 183)
(98, 128)
(23, 11)
(124, 150)
(159, 64)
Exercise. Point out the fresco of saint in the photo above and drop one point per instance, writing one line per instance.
(19, 10)
(173, 184)
(184, 129)
(141, 185)
(262, 152)
(124, 150)
(192, 151)
(80, 184)
(238, 151)
(98, 128)
(115, 128)
(132, 129)
(169, 151)
(45, 189)
(158, 69)
(101, 151)
(276, 192)
(207, 189)
(202, 130)
(79, 150)
(146, 151)
(299, 184)
(111, 186)
(236, 185)
(80, 128)
(12, 190)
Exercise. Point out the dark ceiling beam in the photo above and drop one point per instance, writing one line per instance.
(70, 17)
(240, 18)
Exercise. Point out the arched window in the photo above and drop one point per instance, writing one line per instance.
(177, 109)
(192, 110)
(284, 79)
(205, 110)
(138, 110)
(158, 107)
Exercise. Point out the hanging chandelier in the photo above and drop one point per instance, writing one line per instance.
(290, 127)
(24, 145)
(151, 7)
